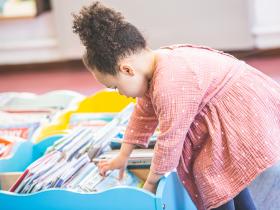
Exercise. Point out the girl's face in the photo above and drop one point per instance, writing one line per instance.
(133, 76)
(128, 82)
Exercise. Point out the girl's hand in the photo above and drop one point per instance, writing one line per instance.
(119, 162)
(150, 187)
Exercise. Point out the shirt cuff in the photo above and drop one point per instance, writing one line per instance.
(139, 143)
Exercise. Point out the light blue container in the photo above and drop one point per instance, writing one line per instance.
(170, 194)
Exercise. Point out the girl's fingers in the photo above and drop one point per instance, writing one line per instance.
(106, 165)
(104, 169)
(101, 162)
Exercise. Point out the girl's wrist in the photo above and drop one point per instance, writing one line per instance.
(153, 178)
(123, 157)
(126, 150)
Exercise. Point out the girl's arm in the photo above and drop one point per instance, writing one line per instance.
(177, 98)
(141, 126)
(142, 123)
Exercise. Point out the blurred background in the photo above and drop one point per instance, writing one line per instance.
(39, 52)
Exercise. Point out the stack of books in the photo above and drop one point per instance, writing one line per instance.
(68, 162)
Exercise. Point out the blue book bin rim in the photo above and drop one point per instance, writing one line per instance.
(117, 188)
(117, 198)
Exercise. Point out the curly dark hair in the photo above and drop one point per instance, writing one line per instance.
(106, 36)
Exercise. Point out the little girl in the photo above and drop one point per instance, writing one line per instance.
(219, 117)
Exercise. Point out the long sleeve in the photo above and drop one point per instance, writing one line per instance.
(177, 98)
(142, 123)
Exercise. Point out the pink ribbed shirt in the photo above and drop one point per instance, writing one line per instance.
(219, 121)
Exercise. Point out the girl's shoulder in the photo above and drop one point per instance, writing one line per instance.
(192, 49)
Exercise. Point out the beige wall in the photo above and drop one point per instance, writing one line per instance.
(218, 23)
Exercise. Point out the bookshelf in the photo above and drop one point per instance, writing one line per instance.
(22, 9)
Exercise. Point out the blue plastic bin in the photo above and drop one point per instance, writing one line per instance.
(170, 194)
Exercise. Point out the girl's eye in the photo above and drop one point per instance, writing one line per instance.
(112, 88)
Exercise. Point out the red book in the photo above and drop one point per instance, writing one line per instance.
(14, 187)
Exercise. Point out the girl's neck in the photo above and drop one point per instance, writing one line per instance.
(152, 64)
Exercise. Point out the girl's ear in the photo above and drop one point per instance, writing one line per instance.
(126, 69)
